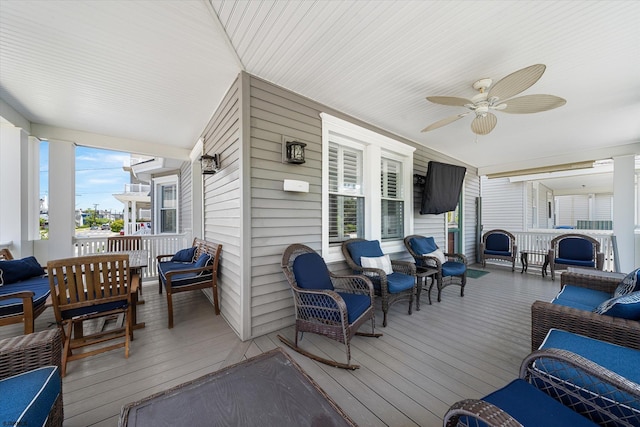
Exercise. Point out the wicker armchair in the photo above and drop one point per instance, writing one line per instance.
(326, 304)
(453, 271)
(27, 352)
(500, 245)
(577, 250)
(543, 385)
(389, 295)
(545, 315)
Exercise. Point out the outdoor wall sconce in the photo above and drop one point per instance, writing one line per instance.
(209, 164)
(295, 152)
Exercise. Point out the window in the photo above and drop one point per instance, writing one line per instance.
(364, 178)
(166, 204)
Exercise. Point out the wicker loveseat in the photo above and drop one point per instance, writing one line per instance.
(567, 312)
(30, 379)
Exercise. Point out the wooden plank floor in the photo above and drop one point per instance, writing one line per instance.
(458, 348)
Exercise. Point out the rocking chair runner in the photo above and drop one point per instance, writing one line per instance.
(326, 304)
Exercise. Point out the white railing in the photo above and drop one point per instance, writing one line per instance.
(156, 244)
(539, 240)
(137, 188)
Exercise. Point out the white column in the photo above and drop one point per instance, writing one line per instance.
(14, 190)
(623, 210)
(62, 199)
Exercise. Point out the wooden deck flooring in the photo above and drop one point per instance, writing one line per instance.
(458, 348)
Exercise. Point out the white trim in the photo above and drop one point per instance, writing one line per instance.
(160, 181)
(374, 146)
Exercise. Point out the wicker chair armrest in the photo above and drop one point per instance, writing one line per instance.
(479, 410)
(514, 251)
(405, 267)
(590, 281)
(354, 284)
(305, 299)
(431, 260)
(600, 261)
(457, 257)
(26, 352)
(545, 316)
(581, 365)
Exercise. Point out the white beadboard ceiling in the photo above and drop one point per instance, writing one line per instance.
(155, 71)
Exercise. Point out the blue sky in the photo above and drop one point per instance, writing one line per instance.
(99, 174)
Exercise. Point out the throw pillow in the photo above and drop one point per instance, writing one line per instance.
(624, 307)
(203, 261)
(629, 284)
(438, 254)
(15, 270)
(381, 262)
(185, 255)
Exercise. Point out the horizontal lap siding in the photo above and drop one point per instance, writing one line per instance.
(502, 205)
(280, 218)
(471, 193)
(186, 221)
(222, 201)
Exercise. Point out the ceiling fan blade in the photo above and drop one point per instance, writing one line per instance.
(444, 122)
(482, 125)
(517, 82)
(533, 104)
(449, 100)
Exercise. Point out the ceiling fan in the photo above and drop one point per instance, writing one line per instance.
(499, 97)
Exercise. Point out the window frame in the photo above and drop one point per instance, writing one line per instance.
(374, 146)
(158, 184)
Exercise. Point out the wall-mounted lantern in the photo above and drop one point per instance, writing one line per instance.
(209, 164)
(295, 152)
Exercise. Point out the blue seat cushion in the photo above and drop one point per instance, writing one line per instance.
(576, 262)
(185, 255)
(624, 306)
(15, 270)
(575, 248)
(621, 360)
(398, 282)
(311, 272)
(27, 398)
(497, 242)
(38, 285)
(367, 248)
(98, 308)
(587, 297)
(356, 305)
(501, 253)
(574, 304)
(453, 268)
(183, 279)
(532, 407)
(631, 283)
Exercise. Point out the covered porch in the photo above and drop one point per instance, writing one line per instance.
(458, 348)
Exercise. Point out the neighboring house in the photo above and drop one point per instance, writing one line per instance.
(529, 205)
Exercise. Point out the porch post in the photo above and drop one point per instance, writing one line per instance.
(62, 199)
(623, 210)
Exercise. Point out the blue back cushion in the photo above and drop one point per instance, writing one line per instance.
(624, 307)
(423, 245)
(497, 242)
(368, 248)
(311, 272)
(575, 248)
(185, 255)
(15, 270)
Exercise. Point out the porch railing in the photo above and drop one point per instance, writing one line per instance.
(156, 244)
(539, 240)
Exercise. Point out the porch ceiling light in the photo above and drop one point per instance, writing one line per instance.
(210, 164)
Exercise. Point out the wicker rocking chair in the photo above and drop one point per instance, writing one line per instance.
(326, 304)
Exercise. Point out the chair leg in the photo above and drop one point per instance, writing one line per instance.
(159, 285)
(128, 333)
(216, 304)
(170, 309)
(66, 350)
(440, 279)
(464, 283)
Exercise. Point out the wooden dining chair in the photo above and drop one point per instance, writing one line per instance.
(88, 288)
(124, 243)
